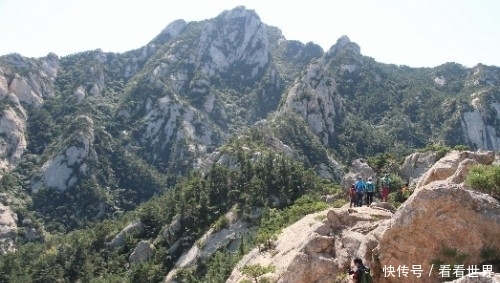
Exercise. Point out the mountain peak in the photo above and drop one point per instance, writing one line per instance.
(172, 30)
(238, 12)
(343, 40)
(342, 43)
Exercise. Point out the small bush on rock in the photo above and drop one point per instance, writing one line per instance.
(486, 179)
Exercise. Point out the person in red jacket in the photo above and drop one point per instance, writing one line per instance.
(352, 195)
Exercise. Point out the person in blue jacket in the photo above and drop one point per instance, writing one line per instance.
(360, 191)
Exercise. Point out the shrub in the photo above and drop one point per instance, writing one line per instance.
(256, 270)
(485, 178)
(440, 149)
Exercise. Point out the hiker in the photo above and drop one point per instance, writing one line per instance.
(352, 195)
(359, 272)
(360, 191)
(384, 194)
(386, 181)
(370, 189)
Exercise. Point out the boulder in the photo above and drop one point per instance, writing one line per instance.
(142, 252)
(22, 88)
(172, 232)
(360, 168)
(318, 247)
(119, 240)
(383, 205)
(416, 164)
(439, 217)
(447, 166)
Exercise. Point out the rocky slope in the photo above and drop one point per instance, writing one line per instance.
(322, 246)
(95, 133)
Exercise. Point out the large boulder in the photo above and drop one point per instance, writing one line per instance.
(173, 231)
(359, 168)
(416, 164)
(142, 252)
(442, 221)
(318, 247)
(447, 166)
(135, 227)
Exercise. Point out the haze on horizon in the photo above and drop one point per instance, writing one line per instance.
(422, 33)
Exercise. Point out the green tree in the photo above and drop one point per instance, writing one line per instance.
(257, 270)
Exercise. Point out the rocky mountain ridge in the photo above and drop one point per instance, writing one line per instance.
(92, 135)
(322, 246)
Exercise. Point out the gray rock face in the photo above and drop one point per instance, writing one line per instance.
(51, 65)
(213, 241)
(342, 43)
(18, 90)
(119, 240)
(244, 40)
(315, 98)
(455, 165)
(315, 250)
(12, 138)
(172, 232)
(438, 215)
(478, 132)
(359, 168)
(416, 164)
(59, 172)
(142, 253)
(8, 229)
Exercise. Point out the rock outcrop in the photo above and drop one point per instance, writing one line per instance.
(119, 240)
(228, 237)
(455, 166)
(416, 164)
(12, 137)
(319, 247)
(8, 229)
(142, 252)
(442, 222)
(437, 217)
(359, 168)
(314, 96)
(63, 170)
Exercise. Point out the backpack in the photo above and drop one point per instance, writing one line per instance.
(367, 277)
(360, 187)
(369, 187)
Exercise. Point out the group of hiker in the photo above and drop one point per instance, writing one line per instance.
(362, 192)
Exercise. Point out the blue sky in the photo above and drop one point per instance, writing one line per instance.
(423, 33)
